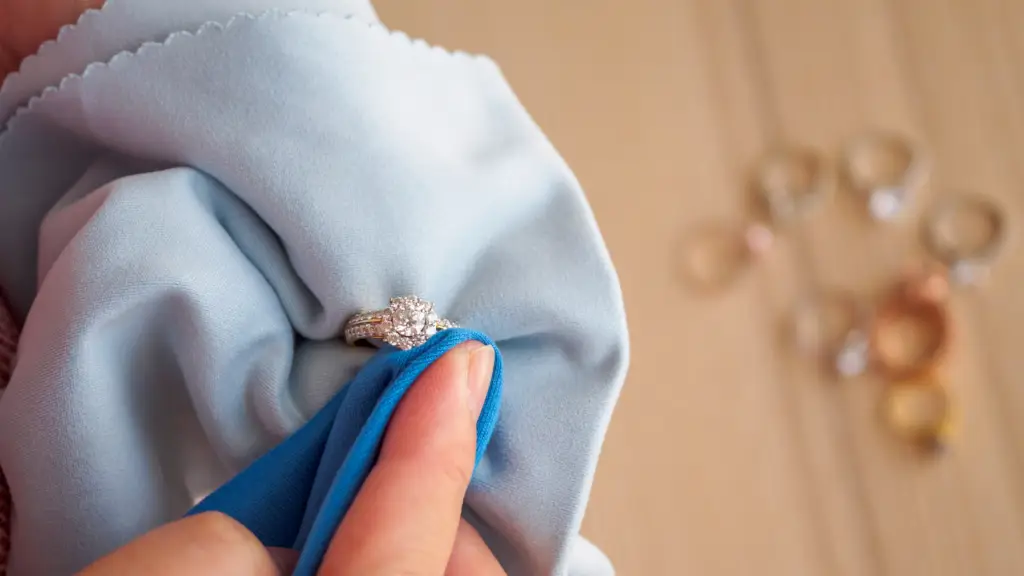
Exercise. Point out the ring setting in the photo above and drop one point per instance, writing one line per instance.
(407, 322)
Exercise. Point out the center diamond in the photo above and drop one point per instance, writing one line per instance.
(413, 318)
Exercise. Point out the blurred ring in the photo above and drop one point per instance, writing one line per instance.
(886, 196)
(932, 432)
(965, 265)
(714, 255)
(846, 353)
(913, 301)
(786, 192)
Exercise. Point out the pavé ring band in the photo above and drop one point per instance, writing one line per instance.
(407, 322)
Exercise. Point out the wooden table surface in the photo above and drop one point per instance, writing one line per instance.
(729, 454)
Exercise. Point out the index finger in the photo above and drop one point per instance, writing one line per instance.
(209, 544)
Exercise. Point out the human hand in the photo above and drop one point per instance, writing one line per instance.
(25, 24)
(405, 520)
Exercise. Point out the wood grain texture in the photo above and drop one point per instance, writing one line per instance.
(728, 454)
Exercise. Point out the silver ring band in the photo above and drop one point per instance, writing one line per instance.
(792, 182)
(844, 349)
(886, 169)
(965, 264)
(407, 322)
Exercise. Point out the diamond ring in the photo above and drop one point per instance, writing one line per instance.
(832, 324)
(407, 322)
(965, 233)
(886, 170)
(791, 182)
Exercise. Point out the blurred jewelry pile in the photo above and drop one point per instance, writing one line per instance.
(849, 334)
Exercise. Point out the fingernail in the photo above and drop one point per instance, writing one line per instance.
(481, 370)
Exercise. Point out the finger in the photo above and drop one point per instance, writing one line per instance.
(406, 515)
(210, 544)
(471, 556)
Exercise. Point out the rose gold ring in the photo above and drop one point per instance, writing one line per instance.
(917, 305)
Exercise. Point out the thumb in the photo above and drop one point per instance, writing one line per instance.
(406, 515)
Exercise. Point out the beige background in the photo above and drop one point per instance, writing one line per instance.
(728, 455)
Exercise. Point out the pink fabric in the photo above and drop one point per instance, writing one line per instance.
(8, 350)
(8, 343)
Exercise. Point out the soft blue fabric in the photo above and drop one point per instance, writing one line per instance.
(297, 494)
(185, 227)
(126, 24)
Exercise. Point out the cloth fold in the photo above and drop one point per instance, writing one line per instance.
(297, 494)
(192, 222)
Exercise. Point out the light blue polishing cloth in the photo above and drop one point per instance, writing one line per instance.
(297, 494)
(194, 198)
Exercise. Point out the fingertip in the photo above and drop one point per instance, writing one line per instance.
(435, 415)
(481, 371)
(468, 346)
(406, 514)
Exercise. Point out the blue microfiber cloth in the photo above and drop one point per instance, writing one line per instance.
(297, 494)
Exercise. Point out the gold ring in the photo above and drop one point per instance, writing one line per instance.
(921, 412)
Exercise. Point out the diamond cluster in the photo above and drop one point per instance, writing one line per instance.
(407, 322)
(412, 321)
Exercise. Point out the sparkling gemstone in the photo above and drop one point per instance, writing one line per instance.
(412, 317)
(886, 202)
(431, 323)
